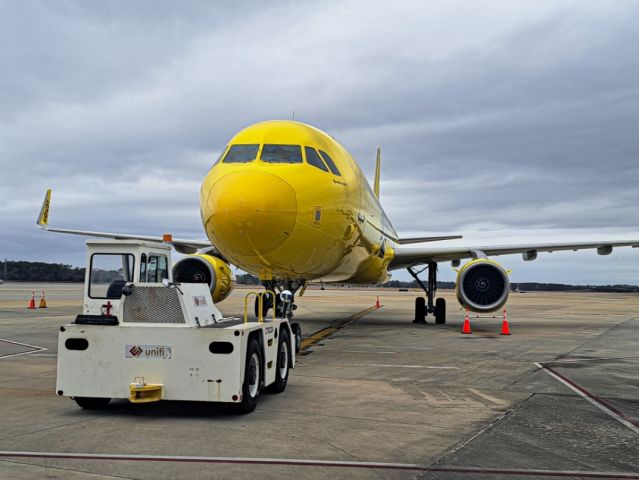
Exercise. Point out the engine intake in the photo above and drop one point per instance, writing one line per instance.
(482, 285)
(209, 269)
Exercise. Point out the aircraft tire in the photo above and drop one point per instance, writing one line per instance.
(268, 303)
(283, 364)
(92, 403)
(440, 311)
(420, 310)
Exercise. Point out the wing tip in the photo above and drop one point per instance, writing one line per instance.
(43, 217)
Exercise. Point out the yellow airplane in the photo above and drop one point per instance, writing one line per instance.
(288, 203)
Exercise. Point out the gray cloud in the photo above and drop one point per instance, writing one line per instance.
(504, 121)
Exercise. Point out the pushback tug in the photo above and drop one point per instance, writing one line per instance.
(144, 338)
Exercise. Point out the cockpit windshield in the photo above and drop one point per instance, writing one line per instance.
(281, 153)
(241, 153)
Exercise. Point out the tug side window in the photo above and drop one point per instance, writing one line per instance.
(156, 269)
(109, 273)
(143, 268)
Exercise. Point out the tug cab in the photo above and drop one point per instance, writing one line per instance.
(144, 338)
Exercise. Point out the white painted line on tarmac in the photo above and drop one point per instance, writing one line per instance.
(397, 366)
(596, 401)
(362, 351)
(396, 347)
(35, 348)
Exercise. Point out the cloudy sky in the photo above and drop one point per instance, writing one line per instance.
(504, 121)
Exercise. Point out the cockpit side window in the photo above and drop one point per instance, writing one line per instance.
(241, 153)
(281, 153)
(331, 164)
(219, 159)
(312, 158)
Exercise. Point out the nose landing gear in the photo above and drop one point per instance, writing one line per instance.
(424, 306)
(284, 304)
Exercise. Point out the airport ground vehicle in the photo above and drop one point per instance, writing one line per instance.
(142, 337)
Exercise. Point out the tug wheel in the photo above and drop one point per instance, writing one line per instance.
(297, 332)
(252, 379)
(92, 403)
(283, 363)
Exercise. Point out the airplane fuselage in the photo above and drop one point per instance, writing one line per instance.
(287, 201)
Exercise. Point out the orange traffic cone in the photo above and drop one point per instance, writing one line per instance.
(505, 330)
(31, 304)
(377, 304)
(43, 301)
(466, 328)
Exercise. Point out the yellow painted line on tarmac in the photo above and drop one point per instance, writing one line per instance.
(334, 327)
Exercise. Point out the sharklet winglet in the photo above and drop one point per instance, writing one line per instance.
(43, 218)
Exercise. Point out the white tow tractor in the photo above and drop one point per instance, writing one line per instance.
(144, 338)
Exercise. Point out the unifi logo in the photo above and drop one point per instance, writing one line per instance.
(148, 351)
(135, 350)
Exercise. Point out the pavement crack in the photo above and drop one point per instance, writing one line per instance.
(479, 432)
(48, 429)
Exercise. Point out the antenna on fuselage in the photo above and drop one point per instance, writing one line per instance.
(293, 117)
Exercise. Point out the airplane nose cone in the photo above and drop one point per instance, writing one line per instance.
(250, 213)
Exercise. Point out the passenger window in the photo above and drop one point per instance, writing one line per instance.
(241, 153)
(331, 164)
(312, 158)
(282, 154)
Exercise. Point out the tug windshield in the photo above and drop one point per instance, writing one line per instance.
(109, 273)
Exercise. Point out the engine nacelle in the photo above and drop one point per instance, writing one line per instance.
(482, 285)
(203, 268)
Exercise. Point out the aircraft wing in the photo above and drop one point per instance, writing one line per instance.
(181, 245)
(407, 257)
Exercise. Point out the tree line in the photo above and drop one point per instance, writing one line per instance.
(22, 271)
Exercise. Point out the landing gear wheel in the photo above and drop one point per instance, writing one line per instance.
(92, 403)
(297, 331)
(440, 311)
(252, 379)
(268, 303)
(283, 362)
(420, 310)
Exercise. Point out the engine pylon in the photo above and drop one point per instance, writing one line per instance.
(466, 328)
(505, 329)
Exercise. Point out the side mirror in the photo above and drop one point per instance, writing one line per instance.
(165, 282)
(286, 296)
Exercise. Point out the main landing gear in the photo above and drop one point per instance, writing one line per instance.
(424, 306)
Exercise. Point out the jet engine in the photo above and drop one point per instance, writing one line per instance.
(209, 269)
(482, 285)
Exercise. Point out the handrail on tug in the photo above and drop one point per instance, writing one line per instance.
(260, 309)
